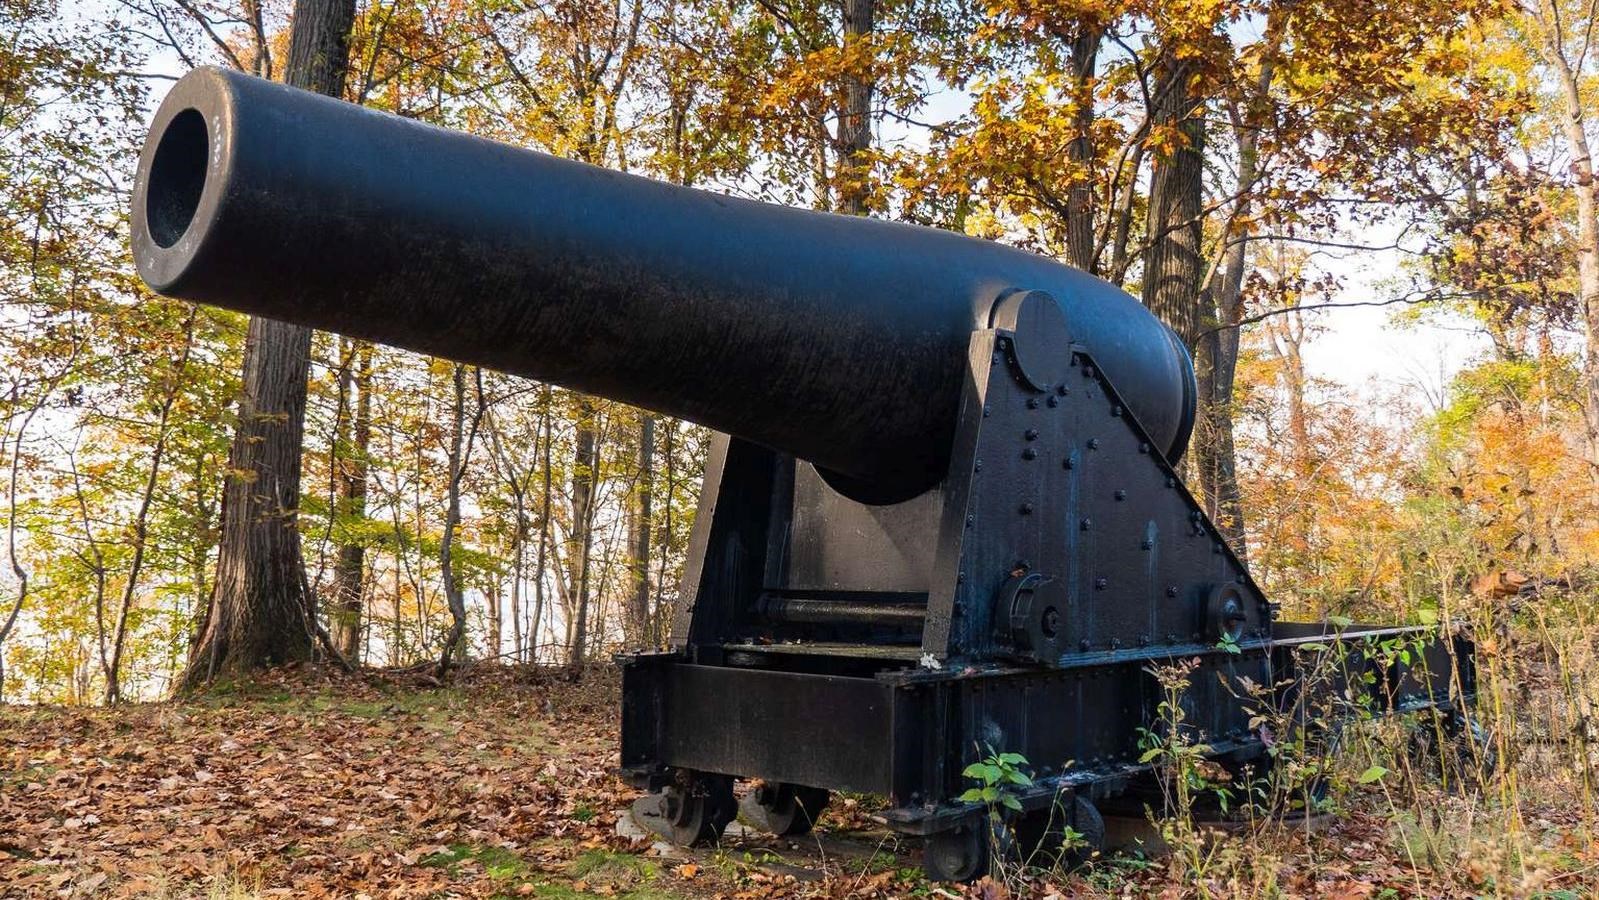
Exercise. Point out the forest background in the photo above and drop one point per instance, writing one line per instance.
(1245, 167)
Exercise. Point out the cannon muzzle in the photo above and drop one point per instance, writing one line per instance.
(840, 340)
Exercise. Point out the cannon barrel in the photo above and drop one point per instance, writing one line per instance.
(841, 340)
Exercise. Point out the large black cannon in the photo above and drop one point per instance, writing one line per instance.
(944, 516)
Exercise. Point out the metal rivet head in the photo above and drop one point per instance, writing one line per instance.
(1027, 509)
(1171, 590)
(1121, 495)
(977, 466)
(1031, 434)
(1093, 443)
(1149, 544)
(1171, 482)
(1053, 401)
(1062, 389)
(1083, 644)
(986, 410)
(1029, 453)
(1116, 411)
(1068, 463)
(1087, 523)
(1143, 446)
(1032, 402)
(1101, 583)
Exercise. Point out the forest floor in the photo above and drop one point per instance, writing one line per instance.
(307, 785)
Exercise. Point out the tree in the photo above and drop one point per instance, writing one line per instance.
(1563, 34)
(350, 460)
(261, 613)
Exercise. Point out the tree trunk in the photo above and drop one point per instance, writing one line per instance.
(1174, 267)
(542, 559)
(462, 436)
(260, 612)
(855, 119)
(1573, 122)
(1080, 231)
(349, 569)
(638, 617)
(584, 471)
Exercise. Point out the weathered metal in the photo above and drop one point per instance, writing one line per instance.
(944, 516)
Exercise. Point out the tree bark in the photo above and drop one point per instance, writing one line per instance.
(1174, 267)
(260, 612)
(462, 436)
(638, 618)
(584, 471)
(855, 119)
(542, 556)
(1080, 230)
(349, 570)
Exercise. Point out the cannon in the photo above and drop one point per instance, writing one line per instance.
(942, 516)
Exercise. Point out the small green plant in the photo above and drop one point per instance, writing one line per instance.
(1000, 780)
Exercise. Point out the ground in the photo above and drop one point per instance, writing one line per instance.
(309, 785)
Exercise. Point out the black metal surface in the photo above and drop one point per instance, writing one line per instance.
(841, 340)
(852, 610)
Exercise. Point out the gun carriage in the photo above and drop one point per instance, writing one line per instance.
(942, 514)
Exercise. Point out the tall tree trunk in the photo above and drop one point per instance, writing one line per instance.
(462, 436)
(1080, 230)
(855, 119)
(546, 418)
(1174, 266)
(1216, 354)
(260, 612)
(349, 570)
(584, 471)
(1586, 190)
(638, 616)
(1176, 290)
